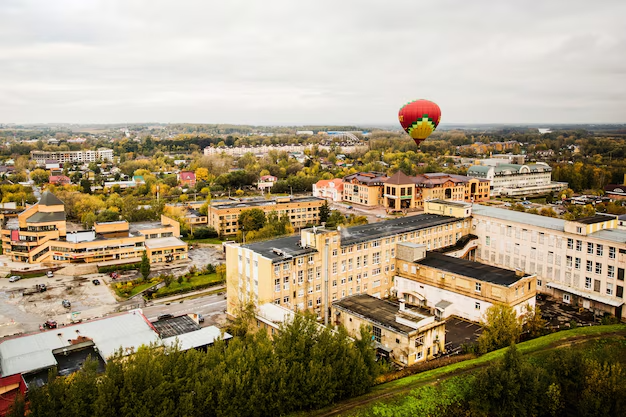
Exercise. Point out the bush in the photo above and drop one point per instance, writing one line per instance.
(204, 233)
(117, 268)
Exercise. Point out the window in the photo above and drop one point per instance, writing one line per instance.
(487, 240)
(334, 252)
(376, 331)
(286, 299)
(609, 289)
(577, 263)
(599, 249)
(477, 306)
(350, 264)
(300, 277)
(334, 268)
(334, 283)
(588, 283)
(478, 287)
(590, 248)
(277, 284)
(343, 266)
(419, 341)
(579, 245)
(568, 261)
(620, 292)
(598, 268)
(589, 266)
(611, 252)
(611, 271)
(570, 243)
(539, 283)
(566, 298)
(364, 260)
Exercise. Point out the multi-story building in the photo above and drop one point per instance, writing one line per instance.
(402, 192)
(302, 211)
(364, 188)
(102, 154)
(39, 235)
(517, 180)
(405, 334)
(319, 266)
(580, 262)
(330, 189)
(460, 287)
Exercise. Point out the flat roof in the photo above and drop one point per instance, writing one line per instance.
(613, 235)
(280, 249)
(600, 218)
(476, 270)
(374, 309)
(164, 242)
(451, 203)
(146, 225)
(197, 338)
(175, 326)
(24, 354)
(595, 297)
(519, 217)
(263, 203)
(357, 234)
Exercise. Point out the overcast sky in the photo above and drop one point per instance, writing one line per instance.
(311, 62)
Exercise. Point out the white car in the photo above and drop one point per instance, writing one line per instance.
(15, 278)
(50, 274)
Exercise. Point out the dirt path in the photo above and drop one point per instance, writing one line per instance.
(382, 392)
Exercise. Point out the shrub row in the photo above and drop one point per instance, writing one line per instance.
(167, 292)
(116, 268)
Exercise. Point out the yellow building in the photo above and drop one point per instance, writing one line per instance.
(454, 286)
(310, 270)
(302, 211)
(406, 335)
(39, 235)
(402, 192)
(364, 188)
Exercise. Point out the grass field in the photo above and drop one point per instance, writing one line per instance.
(134, 291)
(29, 275)
(211, 240)
(200, 280)
(390, 391)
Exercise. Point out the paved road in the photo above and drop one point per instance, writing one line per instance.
(210, 306)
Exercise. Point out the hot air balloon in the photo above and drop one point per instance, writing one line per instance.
(419, 119)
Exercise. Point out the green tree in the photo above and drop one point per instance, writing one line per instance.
(501, 328)
(40, 176)
(85, 186)
(251, 219)
(144, 268)
(532, 323)
(324, 212)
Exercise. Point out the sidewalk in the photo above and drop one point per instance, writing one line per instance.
(181, 296)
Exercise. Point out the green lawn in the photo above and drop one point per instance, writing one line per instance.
(176, 288)
(28, 275)
(134, 291)
(524, 347)
(211, 240)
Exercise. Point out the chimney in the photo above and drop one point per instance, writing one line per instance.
(402, 304)
(519, 272)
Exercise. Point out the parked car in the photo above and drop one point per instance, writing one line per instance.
(165, 316)
(96, 282)
(200, 318)
(14, 278)
(50, 324)
(50, 274)
(66, 303)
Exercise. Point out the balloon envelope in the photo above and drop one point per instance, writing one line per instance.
(419, 119)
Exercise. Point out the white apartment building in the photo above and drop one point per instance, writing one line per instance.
(580, 262)
(517, 180)
(102, 154)
(264, 149)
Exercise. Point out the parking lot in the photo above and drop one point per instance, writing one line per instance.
(460, 331)
(558, 314)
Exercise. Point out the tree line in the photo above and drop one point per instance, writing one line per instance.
(305, 366)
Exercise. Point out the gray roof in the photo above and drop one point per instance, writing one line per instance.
(613, 235)
(357, 234)
(264, 203)
(197, 338)
(33, 352)
(599, 218)
(381, 312)
(519, 217)
(280, 249)
(479, 168)
(49, 199)
(175, 326)
(42, 217)
(476, 270)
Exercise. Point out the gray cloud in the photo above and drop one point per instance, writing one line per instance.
(289, 62)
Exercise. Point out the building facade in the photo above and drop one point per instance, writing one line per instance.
(460, 287)
(102, 154)
(407, 335)
(311, 270)
(517, 180)
(39, 235)
(402, 192)
(302, 211)
(329, 189)
(364, 188)
(580, 262)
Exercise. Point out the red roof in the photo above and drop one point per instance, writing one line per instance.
(337, 184)
(187, 175)
(58, 178)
